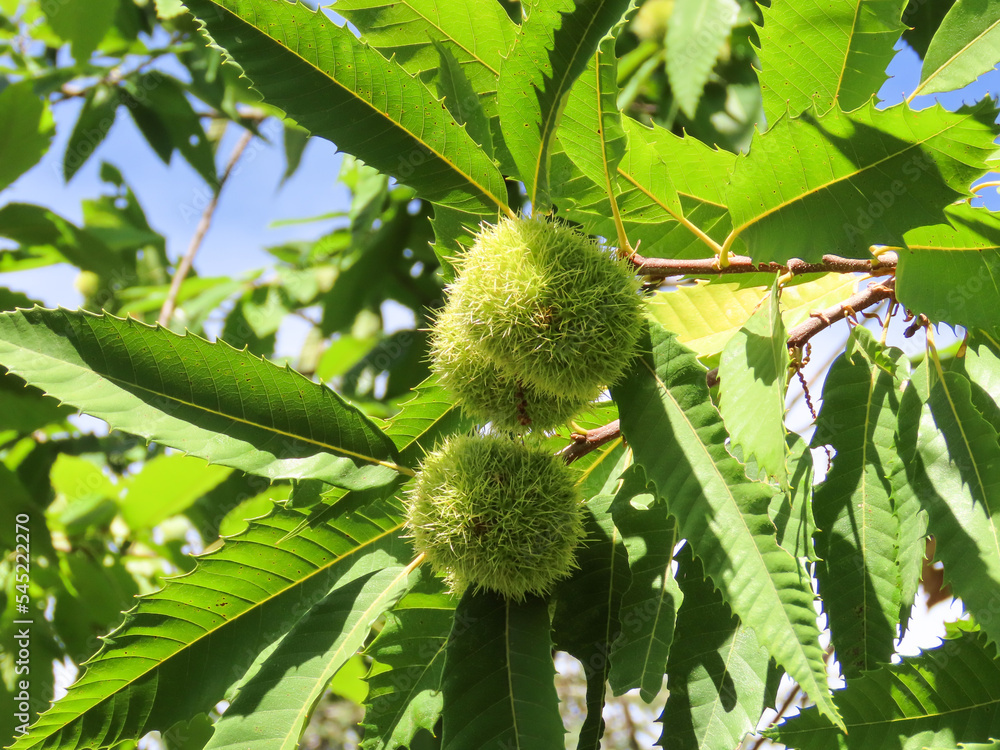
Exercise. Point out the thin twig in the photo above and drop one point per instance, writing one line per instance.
(742, 264)
(871, 295)
(184, 267)
(591, 440)
(790, 699)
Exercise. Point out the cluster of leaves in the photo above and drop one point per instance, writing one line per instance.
(457, 101)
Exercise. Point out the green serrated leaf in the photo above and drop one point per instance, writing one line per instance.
(205, 399)
(717, 672)
(792, 511)
(696, 35)
(752, 375)
(478, 35)
(649, 607)
(858, 541)
(211, 625)
(553, 46)
(706, 315)
(802, 191)
(966, 45)
(341, 89)
(585, 621)
(948, 695)
(950, 271)
(591, 130)
(460, 97)
(670, 195)
(822, 53)
(404, 683)
(274, 700)
(679, 439)
(499, 676)
(957, 479)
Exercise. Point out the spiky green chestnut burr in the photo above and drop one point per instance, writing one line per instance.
(548, 307)
(494, 513)
(486, 393)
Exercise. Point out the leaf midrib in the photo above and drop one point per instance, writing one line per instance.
(733, 501)
(547, 128)
(451, 39)
(847, 51)
(947, 63)
(77, 715)
(829, 184)
(129, 385)
(385, 115)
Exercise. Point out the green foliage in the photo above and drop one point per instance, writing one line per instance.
(965, 47)
(852, 198)
(26, 128)
(653, 144)
(144, 380)
(718, 510)
(858, 545)
(825, 54)
(923, 702)
(498, 674)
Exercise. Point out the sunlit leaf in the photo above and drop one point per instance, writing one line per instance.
(752, 375)
(553, 46)
(858, 538)
(966, 45)
(273, 701)
(841, 183)
(950, 271)
(717, 669)
(343, 90)
(181, 648)
(404, 683)
(822, 53)
(205, 399)
(939, 699)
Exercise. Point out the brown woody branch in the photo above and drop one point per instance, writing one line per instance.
(591, 440)
(184, 266)
(584, 443)
(867, 297)
(662, 267)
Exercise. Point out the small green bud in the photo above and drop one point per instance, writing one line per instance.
(493, 513)
(87, 283)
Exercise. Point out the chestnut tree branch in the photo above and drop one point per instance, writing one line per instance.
(591, 440)
(184, 266)
(661, 267)
(818, 321)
